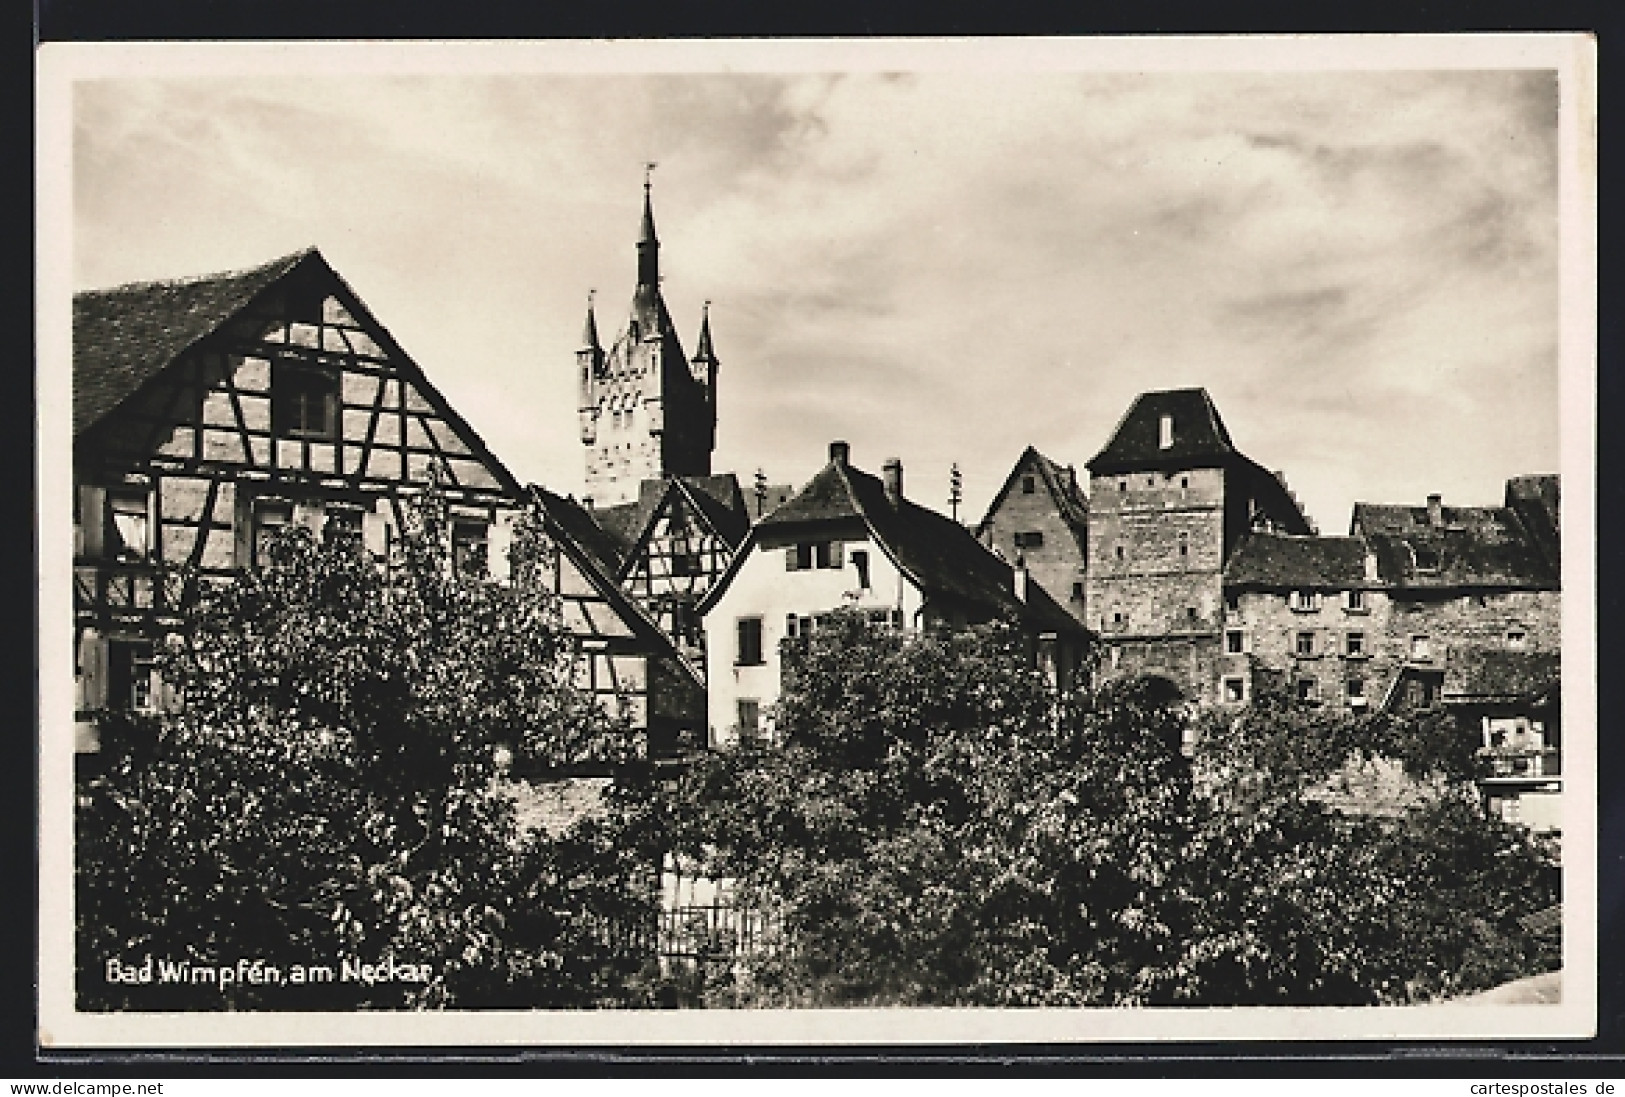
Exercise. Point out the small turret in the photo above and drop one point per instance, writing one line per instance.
(704, 363)
(589, 367)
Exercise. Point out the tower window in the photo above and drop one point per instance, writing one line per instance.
(1165, 432)
(1233, 641)
(1119, 552)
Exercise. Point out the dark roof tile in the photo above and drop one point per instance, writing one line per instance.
(126, 335)
(1198, 433)
(1266, 559)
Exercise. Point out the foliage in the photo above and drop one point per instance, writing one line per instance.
(328, 794)
(938, 828)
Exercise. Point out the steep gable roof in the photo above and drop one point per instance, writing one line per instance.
(1470, 546)
(1198, 433)
(577, 523)
(1071, 504)
(126, 335)
(938, 554)
(566, 520)
(1266, 559)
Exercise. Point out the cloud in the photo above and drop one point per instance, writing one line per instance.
(1360, 266)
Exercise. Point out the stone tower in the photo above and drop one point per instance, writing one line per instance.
(647, 411)
(1170, 497)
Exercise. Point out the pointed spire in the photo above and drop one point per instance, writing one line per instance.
(647, 234)
(648, 243)
(589, 332)
(702, 349)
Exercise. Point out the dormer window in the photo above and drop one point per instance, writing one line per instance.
(304, 399)
(1165, 432)
(1426, 557)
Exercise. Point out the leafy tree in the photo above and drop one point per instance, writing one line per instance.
(331, 790)
(937, 828)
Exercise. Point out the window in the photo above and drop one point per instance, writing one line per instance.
(1302, 601)
(1517, 639)
(1355, 601)
(1077, 592)
(1235, 690)
(1421, 648)
(1232, 602)
(1190, 615)
(1122, 485)
(342, 522)
(1119, 552)
(860, 562)
(1165, 432)
(1184, 544)
(1354, 690)
(750, 716)
(1117, 618)
(128, 535)
(304, 399)
(810, 554)
(1030, 539)
(1233, 641)
(685, 623)
(1303, 645)
(1184, 482)
(1354, 645)
(1306, 689)
(1420, 691)
(270, 515)
(129, 675)
(469, 546)
(1427, 557)
(750, 642)
(1028, 486)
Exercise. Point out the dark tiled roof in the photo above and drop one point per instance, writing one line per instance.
(719, 499)
(1472, 673)
(1471, 546)
(1284, 560)
(124, 336)
(1199, 433)
(942, 556)
(581, 526)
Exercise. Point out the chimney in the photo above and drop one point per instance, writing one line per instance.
(1436, 511)
(1018, 577)
(839, 452)
(892, 473)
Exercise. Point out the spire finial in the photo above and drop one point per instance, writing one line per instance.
(589, 331)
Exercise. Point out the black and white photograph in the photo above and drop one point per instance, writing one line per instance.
(817, 542)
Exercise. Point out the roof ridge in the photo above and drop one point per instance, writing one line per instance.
(198, 279)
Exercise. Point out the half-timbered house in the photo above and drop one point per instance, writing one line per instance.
(210, 411)
(677, 539)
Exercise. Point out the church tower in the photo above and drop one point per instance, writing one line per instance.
(647, 410)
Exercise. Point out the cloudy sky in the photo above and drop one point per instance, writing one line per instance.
(1360, 267)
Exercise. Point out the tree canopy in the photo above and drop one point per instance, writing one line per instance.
(329, 794)
(937, 827)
